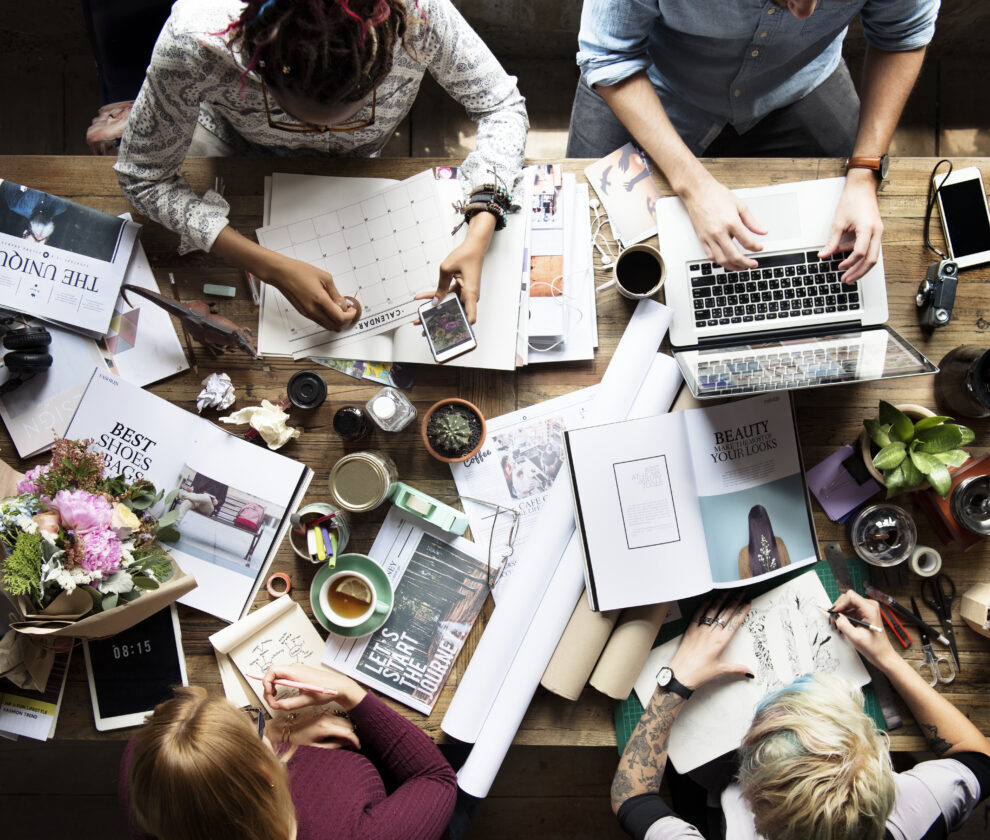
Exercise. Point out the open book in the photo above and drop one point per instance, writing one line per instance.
(673, 505)
(234, 497)
(60, 261)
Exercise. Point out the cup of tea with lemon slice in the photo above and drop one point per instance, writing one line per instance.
(349, 598)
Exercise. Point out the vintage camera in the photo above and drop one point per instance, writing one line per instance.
(26, 351)
(937, 293)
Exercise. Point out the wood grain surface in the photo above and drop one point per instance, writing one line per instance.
(827, 417)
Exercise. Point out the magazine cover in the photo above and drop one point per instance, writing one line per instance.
(233, 497)
(60, 261)
(440, 583)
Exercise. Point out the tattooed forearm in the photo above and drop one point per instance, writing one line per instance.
(938, 744)
(645, 757)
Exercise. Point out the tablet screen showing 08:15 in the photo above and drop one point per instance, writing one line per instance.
(132, 672)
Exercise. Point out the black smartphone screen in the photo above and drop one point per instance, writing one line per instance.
(964, 212)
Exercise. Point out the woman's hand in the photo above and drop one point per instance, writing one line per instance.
(699, 656)
(463, 265)
(858, 214)
(723, 222)
(349, 692)
(326, 730)
(313, 293)
(876, 647)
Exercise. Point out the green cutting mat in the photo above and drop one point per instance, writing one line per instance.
(629, 711)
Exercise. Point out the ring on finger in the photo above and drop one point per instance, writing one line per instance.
(706, 620)
(721, 622)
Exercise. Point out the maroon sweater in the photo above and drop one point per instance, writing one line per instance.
(398, 787)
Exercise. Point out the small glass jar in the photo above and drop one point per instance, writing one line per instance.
(391, 410)
(351, 422)
(308, 515)
(361, 481)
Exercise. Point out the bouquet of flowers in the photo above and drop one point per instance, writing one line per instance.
(70, 528)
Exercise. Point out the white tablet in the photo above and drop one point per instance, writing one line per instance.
(132, 672)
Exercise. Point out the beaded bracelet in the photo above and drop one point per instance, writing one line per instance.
(492, 198)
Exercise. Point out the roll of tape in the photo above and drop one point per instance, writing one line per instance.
(278, 592)
(925, 561)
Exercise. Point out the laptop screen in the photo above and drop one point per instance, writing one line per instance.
(858, 355)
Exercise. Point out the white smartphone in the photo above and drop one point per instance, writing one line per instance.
(132, 672)
(447, 328)
(962, 204)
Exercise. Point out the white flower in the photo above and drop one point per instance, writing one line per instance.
(126, 558)
(27, 524)
(48, 536)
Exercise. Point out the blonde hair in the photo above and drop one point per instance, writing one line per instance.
(199, 770)
(813, 765)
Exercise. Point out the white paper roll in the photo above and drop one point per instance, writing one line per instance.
(925, 561)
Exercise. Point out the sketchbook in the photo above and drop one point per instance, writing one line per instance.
(785, 635)
(60, 261)
(674, 505)
(234, 497)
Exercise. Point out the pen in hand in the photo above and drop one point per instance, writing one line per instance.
(851, 620)
(300, 685)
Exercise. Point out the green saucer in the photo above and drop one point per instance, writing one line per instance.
(353, 563)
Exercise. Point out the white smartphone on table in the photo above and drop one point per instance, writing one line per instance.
(132, 672)
(962, 206)
(447, 328)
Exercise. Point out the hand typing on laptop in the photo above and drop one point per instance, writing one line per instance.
(858, 214)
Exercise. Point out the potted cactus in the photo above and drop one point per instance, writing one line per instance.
(453, 430)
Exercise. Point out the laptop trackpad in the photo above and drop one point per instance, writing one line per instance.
(779, 214)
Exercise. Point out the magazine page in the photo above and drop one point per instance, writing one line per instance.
(440, 584)
(29, 713)
(234, 496)
(784, 636)
(751, 489)
(637, 513)
(60, 261)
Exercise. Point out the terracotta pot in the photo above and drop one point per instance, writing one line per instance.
(915, 412)
(426, 420)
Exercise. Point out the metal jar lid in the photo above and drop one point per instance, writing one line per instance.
(970, 504)
(361, 481)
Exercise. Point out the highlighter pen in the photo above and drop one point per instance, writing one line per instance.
(321, 550)
(854, 621)
(296, 684)
(327, 542)
(884, 598)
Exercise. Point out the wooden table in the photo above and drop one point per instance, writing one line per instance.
(828, 417)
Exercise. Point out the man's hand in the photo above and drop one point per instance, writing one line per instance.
(858, 215)
(722, 222)
(313, 293)
(699, 657)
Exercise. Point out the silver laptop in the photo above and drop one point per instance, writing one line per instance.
(787, 324)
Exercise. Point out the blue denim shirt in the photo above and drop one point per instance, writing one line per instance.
(733, 61)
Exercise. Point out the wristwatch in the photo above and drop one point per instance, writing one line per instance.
(880, 165)
(668, 682)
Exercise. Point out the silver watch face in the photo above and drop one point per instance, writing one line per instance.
(884, 166)
(664, 676)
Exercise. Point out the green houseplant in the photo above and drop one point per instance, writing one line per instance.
(453, 430)
(913, 452)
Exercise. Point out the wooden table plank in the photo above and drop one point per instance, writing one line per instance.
(827, 417)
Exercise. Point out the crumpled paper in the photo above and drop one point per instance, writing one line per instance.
(268, 420)
(218, 392)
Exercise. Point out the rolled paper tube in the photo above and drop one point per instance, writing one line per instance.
(627, 649)
(577, 651)
(278, 592)
(925, 561)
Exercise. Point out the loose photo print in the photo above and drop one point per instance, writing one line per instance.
(531, 456)
(624, 184)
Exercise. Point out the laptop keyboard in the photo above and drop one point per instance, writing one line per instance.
(787, 369)
(782, 286)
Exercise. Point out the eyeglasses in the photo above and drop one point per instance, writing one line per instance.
(257, 718)
(309, 128)
(505, 552)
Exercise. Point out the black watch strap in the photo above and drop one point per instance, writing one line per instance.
(668, 682)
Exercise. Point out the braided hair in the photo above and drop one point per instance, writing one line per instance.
(328, 51)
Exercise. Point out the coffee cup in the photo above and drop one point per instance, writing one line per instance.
(349, 598)
(639, 272)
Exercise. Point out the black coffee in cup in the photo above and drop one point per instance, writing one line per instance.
(639, 272)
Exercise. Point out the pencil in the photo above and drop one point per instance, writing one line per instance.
(300, 685)
(852, 620)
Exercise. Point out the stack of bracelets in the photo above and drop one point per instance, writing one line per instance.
(493, 198)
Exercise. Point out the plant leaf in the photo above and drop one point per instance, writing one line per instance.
(930, 422)
(925, 462)
(940, 438)
(890, 456)
(952, 458)
(895, 480)
(168, 518)
(878, 432)
(912, 476)
(110, 601)
(968, 435)
(901, 426)
(167, 534)
(145, 583)
(93, 593)
(940, 479)
(167, 501)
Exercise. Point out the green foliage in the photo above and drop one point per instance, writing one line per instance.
(22, 568)
(914, 453)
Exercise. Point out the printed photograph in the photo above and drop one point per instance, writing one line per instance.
(623, 184)
(223, 525)
(531, 456)
(546, 195)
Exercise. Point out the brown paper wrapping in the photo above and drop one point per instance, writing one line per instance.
(577, 651)
(627, 650)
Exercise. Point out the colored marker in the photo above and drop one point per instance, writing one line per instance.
(321, 550)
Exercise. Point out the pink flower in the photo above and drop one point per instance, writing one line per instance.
(82, 512)
(27, 485)
(101, 551)
(47, 522)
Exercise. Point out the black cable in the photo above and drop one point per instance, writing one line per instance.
(933, 192)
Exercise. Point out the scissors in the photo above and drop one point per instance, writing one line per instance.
(939, 592)
(935, 669)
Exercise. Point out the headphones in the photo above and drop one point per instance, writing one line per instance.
(26, 354)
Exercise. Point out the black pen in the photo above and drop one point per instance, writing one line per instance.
(877, 595)
(855, 621)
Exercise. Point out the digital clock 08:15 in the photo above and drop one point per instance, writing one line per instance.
(136, 649)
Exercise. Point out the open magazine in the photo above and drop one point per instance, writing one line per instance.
(673, 505)
(60, 261)
(234, 497)
(440, 584)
